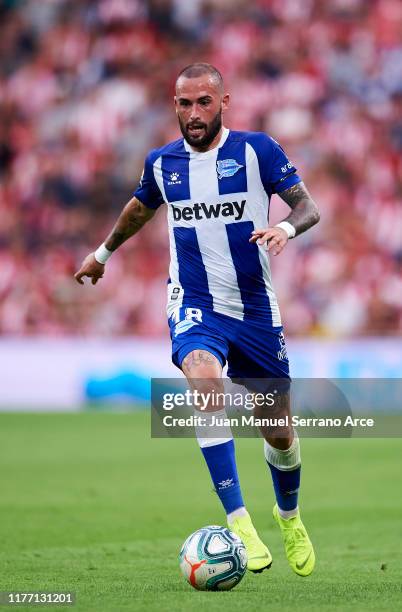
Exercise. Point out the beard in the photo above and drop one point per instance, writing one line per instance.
(206, 135)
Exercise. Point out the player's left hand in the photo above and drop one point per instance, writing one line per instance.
(275, 238)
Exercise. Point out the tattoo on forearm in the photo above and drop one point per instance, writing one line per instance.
(304, 213)
(131, 220)
(115, 240)
(124, 229)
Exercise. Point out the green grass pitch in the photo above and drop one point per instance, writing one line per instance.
(89, 503)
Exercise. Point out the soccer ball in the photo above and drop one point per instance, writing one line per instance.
(213, 559)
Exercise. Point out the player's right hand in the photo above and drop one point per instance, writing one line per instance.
(91, 268)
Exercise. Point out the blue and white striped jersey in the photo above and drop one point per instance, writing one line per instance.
(214, 201)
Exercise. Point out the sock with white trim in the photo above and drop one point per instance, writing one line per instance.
(219, 454)
(285, 467)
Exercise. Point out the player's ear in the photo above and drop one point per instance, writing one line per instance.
(175, 103)
(225, 102)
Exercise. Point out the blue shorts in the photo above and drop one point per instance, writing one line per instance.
(251, 348)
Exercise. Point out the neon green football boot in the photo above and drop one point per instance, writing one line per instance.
(298, 547)
(259, 557)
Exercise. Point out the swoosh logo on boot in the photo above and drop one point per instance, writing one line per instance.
(301, 565)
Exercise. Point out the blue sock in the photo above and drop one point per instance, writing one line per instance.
(221, 463)
(286, 485)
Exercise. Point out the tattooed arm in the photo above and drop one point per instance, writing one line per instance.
(132, 218)
(304, 214)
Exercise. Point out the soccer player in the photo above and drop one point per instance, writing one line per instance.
(217, 185)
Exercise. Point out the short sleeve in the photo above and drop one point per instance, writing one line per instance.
(283, 172)
(276, 171)
(148, 191)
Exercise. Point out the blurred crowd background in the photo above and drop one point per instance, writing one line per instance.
(86, 90)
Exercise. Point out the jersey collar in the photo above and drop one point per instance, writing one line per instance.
(189, 149)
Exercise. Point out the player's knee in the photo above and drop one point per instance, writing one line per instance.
(282, 441)
(201, 364)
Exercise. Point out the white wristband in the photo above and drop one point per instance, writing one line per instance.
(288, 228)
(102, 254)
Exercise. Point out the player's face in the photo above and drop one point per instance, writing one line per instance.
(199, 104)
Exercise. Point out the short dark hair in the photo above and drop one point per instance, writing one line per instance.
(197, 69)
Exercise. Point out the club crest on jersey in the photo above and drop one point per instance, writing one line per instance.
(227, 167)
